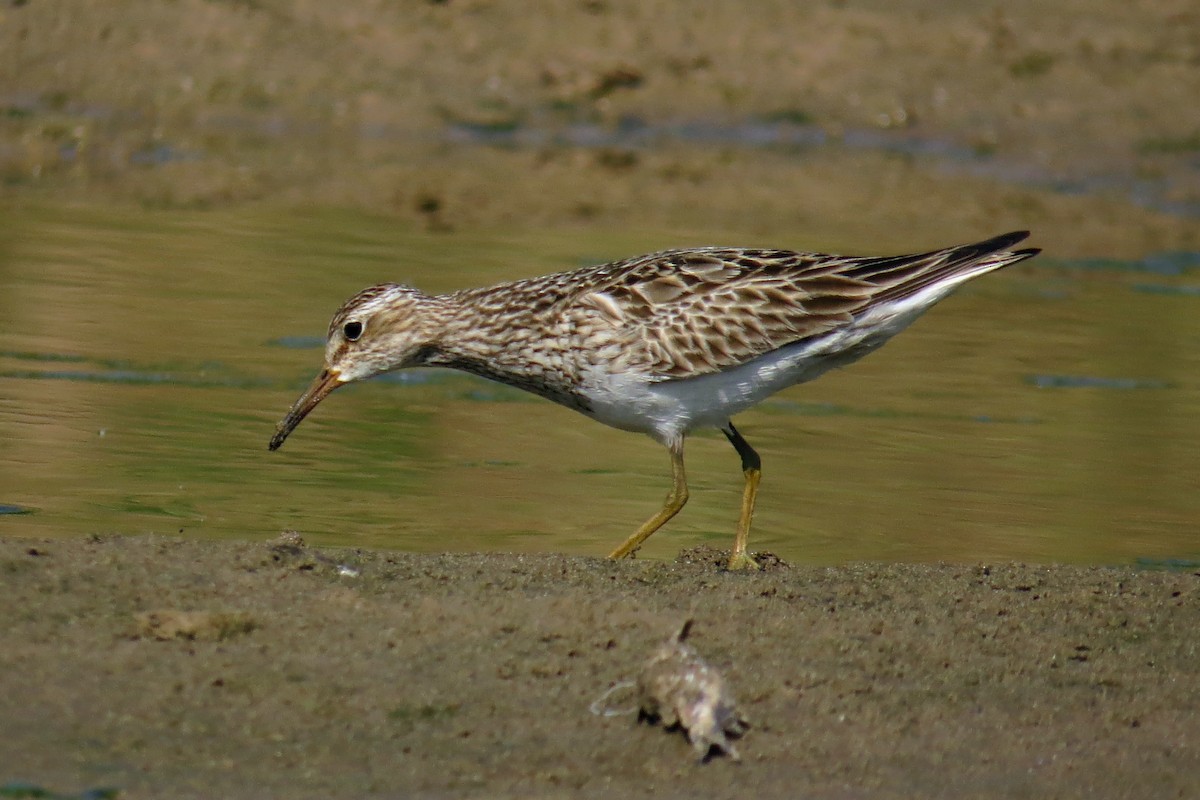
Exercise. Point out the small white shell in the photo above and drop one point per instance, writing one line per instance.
(679, 689)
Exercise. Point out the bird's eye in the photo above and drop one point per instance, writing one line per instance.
(352, 330)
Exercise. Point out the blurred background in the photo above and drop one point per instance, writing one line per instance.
(189, 189)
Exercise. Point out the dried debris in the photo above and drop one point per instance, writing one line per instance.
(290, 549)
(170, 623)
(678, 688)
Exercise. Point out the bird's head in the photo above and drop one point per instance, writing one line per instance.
(380, 329)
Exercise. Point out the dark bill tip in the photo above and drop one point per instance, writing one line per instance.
(324, 383)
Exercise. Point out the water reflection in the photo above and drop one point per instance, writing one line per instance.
(1046, 413)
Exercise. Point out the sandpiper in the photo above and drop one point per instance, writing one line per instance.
(660, 344)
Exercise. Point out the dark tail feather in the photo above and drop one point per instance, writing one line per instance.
(953, 261)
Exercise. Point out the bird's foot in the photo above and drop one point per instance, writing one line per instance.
(742, 562)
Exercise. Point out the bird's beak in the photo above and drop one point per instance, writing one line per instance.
(324, 383)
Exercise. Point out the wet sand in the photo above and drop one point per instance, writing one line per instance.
(202, 669)
(213, 669)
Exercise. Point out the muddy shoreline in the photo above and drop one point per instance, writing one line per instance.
(200, 669)
(843, 125)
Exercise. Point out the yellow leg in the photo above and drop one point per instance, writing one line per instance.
(676, 499)
(752, 469)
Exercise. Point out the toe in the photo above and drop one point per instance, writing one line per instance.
(742, 562)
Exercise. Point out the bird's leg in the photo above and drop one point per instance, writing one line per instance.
(676, 499)
(752, 469)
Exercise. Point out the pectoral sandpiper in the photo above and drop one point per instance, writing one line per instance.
(660, 344)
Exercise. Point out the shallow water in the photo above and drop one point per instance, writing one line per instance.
(1045, 413)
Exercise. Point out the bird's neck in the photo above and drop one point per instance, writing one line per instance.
(507, 344)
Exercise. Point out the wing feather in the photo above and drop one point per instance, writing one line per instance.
(685, 313)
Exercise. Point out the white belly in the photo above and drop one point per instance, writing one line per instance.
(668, 410)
